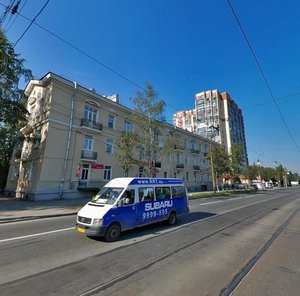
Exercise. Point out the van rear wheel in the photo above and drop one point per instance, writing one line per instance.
(172, 219)
(112, 233)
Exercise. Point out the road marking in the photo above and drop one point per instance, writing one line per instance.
(211, 202)
(36, 234)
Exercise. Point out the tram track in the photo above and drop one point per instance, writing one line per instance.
(110, 283)
(106, 284)
(249, 266)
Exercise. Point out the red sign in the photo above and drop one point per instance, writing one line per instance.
(78, 170)
(97, 166)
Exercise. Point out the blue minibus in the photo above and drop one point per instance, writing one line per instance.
(127, 203)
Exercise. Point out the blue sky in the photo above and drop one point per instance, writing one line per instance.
(181, 47)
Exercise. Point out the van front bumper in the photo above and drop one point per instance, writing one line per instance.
(90, 230)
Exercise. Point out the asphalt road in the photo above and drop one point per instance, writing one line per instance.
(244, 245)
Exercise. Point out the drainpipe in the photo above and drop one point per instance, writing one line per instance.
(68, 142)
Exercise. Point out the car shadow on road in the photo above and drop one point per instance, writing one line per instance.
(156, 229)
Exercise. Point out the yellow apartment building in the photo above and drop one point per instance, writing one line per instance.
(67, 148)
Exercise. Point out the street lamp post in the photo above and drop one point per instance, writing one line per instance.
(259, 174)
(279, 178)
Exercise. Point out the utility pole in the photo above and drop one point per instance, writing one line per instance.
(212, 168)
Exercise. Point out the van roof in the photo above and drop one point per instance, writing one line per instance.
(122, 182)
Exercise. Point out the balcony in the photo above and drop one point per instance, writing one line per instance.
(179, 147)
(88, 155)
(195, 151)
(179, 166)
(157, 164)
(196, 167)
(91, 125)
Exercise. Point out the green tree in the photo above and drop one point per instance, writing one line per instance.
(220, 160)
(147, 117)
(236, 159)
(279, 175)
(12, 70)
(252, 172)
(12, 110)
(126, 153)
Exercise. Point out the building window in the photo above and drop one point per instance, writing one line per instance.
(195, 177)
(141, 172)
(186, 160)
(142, 153)
(128, 126)
(107, 172)
(85, 172)
(88, 143)
(14, 173)
(90, 114)
(165, 174)
(111, 121)
(109, 146)
(31, 171)
(187, 176)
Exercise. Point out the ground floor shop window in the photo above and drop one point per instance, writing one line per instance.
(107, 172)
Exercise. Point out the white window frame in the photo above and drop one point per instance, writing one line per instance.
(109, 146)
(111, 121)
(128, 126)
(88, 143)
(107, 173)
(90, 114)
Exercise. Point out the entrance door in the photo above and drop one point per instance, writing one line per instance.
(85, 172)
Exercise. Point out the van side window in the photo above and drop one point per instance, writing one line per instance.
(128, 197)
(146, 194)
(178, 191)
(162, 193)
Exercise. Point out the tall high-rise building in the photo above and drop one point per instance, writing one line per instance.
(217, 117)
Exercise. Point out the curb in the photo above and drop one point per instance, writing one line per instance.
(28, 218)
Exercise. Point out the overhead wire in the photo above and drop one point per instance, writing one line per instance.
(86, 54)
(7, 9)
(135, 84)
(6, 30)
(31, 22)
(262, 74)
(267, 102)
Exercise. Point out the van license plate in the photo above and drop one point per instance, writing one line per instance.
(79, 229)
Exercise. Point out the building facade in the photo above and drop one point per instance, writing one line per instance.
(216, 117)
(68, 147)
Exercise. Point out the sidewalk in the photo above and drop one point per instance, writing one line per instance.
(12, 209)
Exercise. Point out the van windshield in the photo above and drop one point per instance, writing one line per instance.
(107, 195)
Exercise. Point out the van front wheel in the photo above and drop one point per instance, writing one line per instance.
(172, 219)
(112, 233)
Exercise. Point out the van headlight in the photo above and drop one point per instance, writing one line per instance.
(97, 222)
